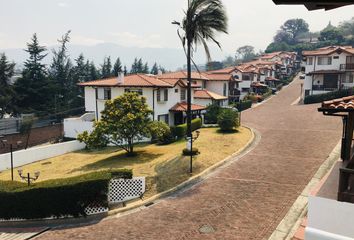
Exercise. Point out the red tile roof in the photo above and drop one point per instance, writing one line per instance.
(218, 76)
(227, 70)
(182, 107)
(205, 94)
(258, 84)
(181, 75)
(272, 79)
(340, 103)
(136, 80)
(329, 50)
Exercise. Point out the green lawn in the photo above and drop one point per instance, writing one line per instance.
(163, 166)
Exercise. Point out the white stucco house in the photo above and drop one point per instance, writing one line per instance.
(166, 95)
(328, 69)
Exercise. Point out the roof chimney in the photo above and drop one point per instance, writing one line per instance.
(159, 72)
(120, 78)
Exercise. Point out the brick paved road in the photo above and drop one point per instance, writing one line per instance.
(245, 200)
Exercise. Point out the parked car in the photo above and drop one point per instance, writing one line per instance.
(302, 76)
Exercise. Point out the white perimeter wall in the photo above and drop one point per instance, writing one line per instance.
(35, 154)
(329, 219)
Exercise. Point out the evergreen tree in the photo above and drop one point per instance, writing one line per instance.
(154, 69)
(6, 90)
(125, 71)
(140, 66)
(61, 73)
(93, 72)
(33, 89)
(134, 68)
(145, 68)
(117, 68)
(106, 71)
(80, 71)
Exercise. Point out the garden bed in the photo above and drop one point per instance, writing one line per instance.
(163, 165)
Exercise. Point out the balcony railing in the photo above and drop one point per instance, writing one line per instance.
(234, 93)
(348, 66)
(323, 88)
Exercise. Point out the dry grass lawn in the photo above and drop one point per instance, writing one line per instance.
(163, 166)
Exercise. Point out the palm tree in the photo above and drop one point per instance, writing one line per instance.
(203, 19)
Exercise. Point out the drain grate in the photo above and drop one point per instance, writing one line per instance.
(206, 229)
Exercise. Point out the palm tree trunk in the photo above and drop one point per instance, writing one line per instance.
(189, 91)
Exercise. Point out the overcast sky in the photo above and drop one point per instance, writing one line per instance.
(145, 23)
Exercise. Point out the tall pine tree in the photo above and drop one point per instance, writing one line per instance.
(61, 74)
(106, 70)
(33, 89)
(117, 68)
(154, 69)
(6, 90)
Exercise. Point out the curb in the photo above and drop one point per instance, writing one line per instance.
(194, 180)
(292, 220)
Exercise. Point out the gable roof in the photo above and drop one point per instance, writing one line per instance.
(218, 76)
(182, 107)
(227, 70)
(181, 75)
(205, 94)
(329, 50)
(136, 80)
(345, 103)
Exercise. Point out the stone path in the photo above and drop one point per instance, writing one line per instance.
(248, 198)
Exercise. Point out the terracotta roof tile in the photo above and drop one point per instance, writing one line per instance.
(218, 76)
(136, 80)
(180, 75)
(205, 94)
(340, 103)
(182, 107)
(329, 50)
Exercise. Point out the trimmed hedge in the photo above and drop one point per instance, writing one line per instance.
(228, 120)
(57, 197)
(243, 105)
(318, 98)
(181, 130)
(267, 94)
(194, 152)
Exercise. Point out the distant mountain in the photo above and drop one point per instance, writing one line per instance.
(169, 58)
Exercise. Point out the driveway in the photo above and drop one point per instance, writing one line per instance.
(248, 198)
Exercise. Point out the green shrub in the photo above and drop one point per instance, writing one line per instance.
(180, 131)
(228, 120)
(211, 114)
(328, 96)
(97, 139)
(279, 86)
(57, 197)
(267, 94)
(160, 132)
(243, 105)
(194, 152)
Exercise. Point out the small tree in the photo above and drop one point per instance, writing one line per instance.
(124, 121)
(160, 132)
(228, 120)
(212, 112)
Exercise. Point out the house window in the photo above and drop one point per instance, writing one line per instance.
(158, 95)
(204, 84)
(245, 89)
(245, 77)
(163, 118)
(183, 94)
(324, 61)
(224, 89)
(176, 90)
(138, 91)
(165, 95)
(349, 78)
(107, 94)
(335, 57)
(310, 61)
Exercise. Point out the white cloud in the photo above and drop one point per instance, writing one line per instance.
(87, 41)
(63, 4)
(129, 39)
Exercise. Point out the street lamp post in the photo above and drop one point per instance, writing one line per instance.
(28, 177)
(4, 142)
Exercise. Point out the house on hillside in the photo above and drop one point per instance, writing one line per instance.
(328, 69)
(166, 96)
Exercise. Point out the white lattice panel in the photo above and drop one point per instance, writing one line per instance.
(91, 210)
(121, 190)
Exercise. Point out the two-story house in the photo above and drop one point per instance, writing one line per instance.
(328, 69)
(166, 97)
